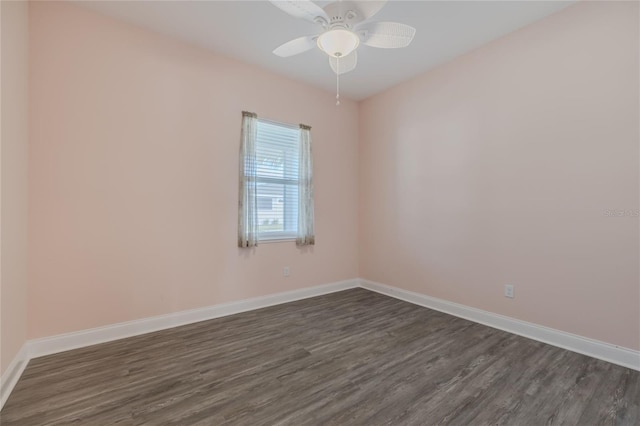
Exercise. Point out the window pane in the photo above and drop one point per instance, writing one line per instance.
(277, 155)
(282, 216)
(265, 203)
(277, 152)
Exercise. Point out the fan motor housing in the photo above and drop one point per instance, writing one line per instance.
(340, 13)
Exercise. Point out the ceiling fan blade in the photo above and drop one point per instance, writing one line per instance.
(387, 35)
(344, 65)
(304, 9)
(295, 46)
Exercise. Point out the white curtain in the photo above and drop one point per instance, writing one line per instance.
(306, 234)
(248, 201)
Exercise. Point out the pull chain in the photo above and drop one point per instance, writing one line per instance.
(337, 80)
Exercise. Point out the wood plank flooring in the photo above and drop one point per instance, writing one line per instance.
(348, 358)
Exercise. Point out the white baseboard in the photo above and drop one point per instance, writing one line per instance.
(80, 339)
(594, 348)
(13, 372)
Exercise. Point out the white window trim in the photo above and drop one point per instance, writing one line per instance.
(284, 236)
(279, 123)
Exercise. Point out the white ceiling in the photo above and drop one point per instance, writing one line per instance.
(250, 30)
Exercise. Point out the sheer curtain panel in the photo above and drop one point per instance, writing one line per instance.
(247, 207)
(306, 234)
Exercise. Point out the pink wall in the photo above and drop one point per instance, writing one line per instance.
(14, 136)
(498, 168)
(133, 175)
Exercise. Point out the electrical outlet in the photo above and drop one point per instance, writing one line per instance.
(285, 271)
(508, 291)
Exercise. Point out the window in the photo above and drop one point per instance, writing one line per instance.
(277, 180)
(275, 200)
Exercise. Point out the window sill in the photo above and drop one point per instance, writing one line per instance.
(277, 240)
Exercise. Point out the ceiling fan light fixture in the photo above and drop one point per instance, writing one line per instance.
(338, 42)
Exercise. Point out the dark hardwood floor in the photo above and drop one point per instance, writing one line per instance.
(348, 358)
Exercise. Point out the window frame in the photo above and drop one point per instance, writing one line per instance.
(280, 236)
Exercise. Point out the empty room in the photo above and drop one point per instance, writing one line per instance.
(320, 213)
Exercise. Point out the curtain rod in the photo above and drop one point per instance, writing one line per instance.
(279, 123)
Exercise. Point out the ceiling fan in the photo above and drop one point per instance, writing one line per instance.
(344, 27)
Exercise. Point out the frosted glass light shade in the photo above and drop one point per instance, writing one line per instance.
(338, 42)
